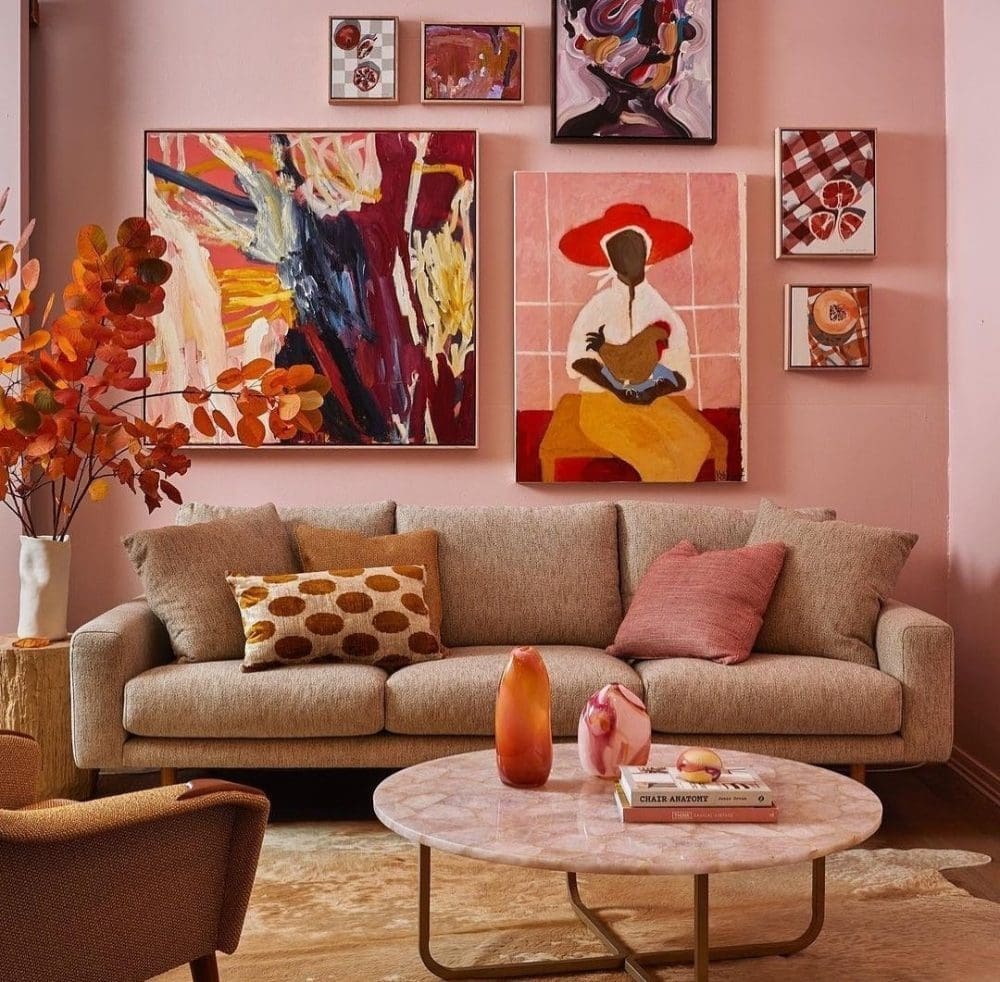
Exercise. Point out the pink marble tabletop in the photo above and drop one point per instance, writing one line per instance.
(457, 804)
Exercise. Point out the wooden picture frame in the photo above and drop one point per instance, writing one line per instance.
(346, 62)
(815, 205)
(807, 341)
(425, 97)
(563, 132)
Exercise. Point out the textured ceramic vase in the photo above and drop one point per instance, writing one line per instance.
(614, 730)
(524, 721)
(44, 599)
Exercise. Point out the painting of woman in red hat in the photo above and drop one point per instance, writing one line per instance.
(627, 398)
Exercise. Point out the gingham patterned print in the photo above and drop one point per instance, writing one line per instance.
(810, 158)
(839, 356)
(343, 63)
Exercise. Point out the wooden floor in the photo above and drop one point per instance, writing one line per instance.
(925, 807)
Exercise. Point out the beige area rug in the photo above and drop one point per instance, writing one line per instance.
(336, 902)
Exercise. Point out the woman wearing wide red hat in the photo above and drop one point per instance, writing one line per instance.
(628, 349)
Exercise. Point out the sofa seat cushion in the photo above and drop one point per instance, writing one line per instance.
(217, 700)
(457, 695)
(772, 694)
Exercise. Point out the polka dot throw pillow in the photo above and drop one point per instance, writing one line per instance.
(374, 616)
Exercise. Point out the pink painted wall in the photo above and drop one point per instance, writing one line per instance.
(873, 445)
(974, 353)
(13, 175)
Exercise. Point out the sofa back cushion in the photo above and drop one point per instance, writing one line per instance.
(370, 518)
(647, 529)
(524, 575)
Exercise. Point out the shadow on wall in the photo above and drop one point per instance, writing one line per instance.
(974, 598)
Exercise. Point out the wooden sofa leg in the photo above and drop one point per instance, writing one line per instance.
(859, 773)
(168, 776)
(205, 969)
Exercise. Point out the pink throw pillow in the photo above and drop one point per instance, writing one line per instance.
(701, 605)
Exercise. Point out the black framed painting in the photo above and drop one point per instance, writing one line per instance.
(634, 71)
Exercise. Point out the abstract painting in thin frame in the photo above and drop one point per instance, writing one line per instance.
(630, 327)
(638, 71)
(363, 59)
(351, 251)
(481, 63)
(825, 193)
(828, 327)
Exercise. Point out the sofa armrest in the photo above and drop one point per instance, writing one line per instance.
(918, 649)
(104, 655)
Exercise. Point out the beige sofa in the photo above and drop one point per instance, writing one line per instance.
(558, 577)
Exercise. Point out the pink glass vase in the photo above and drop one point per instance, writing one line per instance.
(524, 721)
(614, 730)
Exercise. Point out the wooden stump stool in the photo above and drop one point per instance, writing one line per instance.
(34, 699)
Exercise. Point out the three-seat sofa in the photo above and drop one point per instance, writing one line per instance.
(558, 577)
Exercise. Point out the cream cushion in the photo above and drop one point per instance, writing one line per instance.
(457, 695)
(772, 694)
(525, 575)
(217, 700)
(831, 588)
(647, 529)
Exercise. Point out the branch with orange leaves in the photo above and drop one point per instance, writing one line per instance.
(58, 428)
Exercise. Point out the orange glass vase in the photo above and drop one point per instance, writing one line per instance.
(524, 721)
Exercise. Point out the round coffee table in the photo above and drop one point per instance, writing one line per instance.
(458, 805)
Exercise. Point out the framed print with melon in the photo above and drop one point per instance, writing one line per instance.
(630, 325)
(825, 193)
(828, 327)
(351, 251)
(363, 59)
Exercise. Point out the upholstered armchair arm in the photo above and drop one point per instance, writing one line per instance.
(105, 654)
(20, 765)
(918, 649)
(131, 886)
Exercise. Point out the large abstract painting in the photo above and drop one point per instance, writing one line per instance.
(634, 70)
(353, 252)
(630, 320)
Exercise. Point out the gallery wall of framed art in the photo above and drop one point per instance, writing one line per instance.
(851, 437)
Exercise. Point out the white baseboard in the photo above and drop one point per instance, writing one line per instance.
(977, 774)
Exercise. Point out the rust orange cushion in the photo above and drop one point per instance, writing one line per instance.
(700, 605)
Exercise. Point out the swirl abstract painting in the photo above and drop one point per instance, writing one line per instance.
(353, 252)
(640, 70)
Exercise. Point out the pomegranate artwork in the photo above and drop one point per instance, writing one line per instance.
(614, 730)
(524, 721)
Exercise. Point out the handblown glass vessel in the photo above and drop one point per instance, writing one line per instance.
(524, 721)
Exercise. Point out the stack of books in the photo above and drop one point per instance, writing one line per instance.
(661, 794)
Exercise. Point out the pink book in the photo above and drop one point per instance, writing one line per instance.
(645, 813)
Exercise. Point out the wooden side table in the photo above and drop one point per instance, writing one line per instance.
(34, 699)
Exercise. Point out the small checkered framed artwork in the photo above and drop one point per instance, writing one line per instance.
(824, 193)
(828, 327)
(363, 59)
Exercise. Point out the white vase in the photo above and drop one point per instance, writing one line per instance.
(44, 569)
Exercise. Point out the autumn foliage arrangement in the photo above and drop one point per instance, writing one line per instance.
(73, 391)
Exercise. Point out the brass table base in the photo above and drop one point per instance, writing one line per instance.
(624, 958)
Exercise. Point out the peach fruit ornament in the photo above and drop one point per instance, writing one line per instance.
(524, 721)
(699, 765)
(614, 730)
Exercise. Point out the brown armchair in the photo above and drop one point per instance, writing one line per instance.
(121, 889)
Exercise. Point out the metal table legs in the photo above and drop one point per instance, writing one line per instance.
(623, 957)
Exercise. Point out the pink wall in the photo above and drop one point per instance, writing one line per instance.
(13, 174)
(873, 445)
(974, 353)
